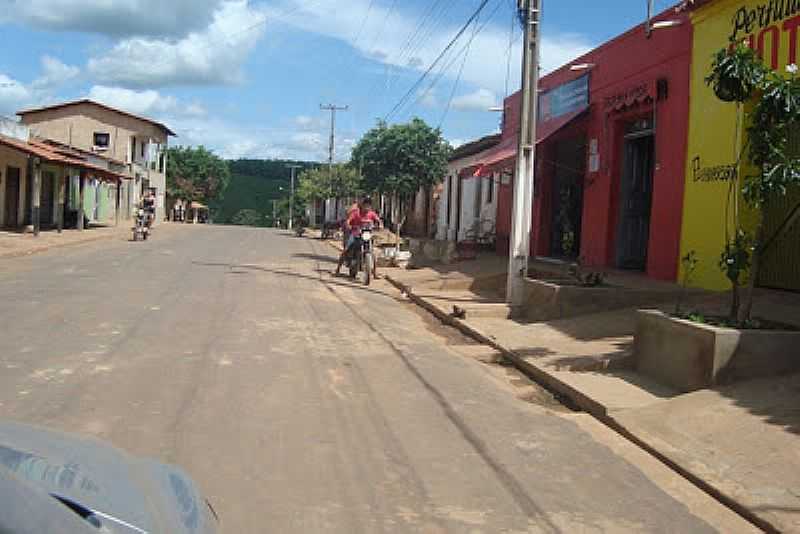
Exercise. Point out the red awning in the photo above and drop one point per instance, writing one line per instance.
(546, 129)
(504, 154)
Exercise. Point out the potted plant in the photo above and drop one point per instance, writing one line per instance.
(736, 73)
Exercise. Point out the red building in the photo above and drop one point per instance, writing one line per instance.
(611, 148)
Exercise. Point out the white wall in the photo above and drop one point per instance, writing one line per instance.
(447, 229)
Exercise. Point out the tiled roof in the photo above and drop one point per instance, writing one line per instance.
(71, 150)
(47, 153)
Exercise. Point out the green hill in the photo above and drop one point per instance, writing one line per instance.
(253, 186)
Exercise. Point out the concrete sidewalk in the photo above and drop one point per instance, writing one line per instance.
(738, 443)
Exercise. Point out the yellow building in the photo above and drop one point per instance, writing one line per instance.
(771, 27)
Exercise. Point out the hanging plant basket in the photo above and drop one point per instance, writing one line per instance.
(736, 74)
(733, 90)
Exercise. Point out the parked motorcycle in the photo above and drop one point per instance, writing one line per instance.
(141, 230)
(362, 256)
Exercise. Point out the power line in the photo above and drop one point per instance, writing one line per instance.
(460, 72)
(438, 59)
(446, 67)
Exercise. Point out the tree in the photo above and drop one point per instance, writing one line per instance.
(400, 159)
(319, 183)
(196, 174)
(739, 75)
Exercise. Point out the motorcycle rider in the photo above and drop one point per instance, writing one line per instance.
(356, 220)
(149, 207)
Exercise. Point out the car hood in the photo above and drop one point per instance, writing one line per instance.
(126, 493)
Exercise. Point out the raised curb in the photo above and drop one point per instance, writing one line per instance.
(587, 404)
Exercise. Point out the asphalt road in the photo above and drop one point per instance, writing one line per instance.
(304, 403)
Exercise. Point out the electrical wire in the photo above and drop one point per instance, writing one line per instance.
(446, 49)
(446, 68)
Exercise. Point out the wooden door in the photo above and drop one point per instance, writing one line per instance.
(636, 198)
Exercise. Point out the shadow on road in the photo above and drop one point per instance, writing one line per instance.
(315, 257)
(319, 278)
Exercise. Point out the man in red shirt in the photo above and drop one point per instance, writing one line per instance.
(356, 220)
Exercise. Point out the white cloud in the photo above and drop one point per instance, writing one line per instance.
(55, 73)
(149, 103)
(486, 63)
(212, 56)
(114, 17)
(480, 100)
(13, 95)
(427, 99)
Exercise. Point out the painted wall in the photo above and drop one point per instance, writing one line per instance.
(713, 123)
(629, 63)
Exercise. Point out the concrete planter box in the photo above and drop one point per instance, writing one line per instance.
(551, 298)
(426, 252)
(690, 356)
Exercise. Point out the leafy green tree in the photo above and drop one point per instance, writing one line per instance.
(196, 174)
(773, 102)
(400, 159)
(319, 183)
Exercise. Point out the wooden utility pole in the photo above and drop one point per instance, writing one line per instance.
(523, 180)
(331, 150)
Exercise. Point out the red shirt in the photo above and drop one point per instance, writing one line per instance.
(356, 221)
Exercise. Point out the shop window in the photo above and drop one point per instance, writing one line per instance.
(101, 140)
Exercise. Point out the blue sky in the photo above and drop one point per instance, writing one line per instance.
(246, 78)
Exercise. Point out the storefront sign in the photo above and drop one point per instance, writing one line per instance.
(567, 98)
(717, 173)
(766, 26)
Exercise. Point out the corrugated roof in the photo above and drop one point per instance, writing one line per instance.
(98, 104)
(42, 151)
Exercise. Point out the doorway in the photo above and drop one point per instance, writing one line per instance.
(47, 198)
(636, 196)
(569, 168)
(12, 196)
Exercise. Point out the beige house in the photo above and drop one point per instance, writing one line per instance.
(44, 184)
(135, 145)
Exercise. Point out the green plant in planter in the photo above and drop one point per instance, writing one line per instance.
(736, 73)
(734, 263)
(689, 263)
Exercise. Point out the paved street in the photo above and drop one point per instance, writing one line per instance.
(304, 403)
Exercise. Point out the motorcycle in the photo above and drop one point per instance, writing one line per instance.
(362, 256)
(141, 230)
(299, 230)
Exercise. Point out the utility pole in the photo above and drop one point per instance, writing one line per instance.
(275, 213)
(523, 183)
(292, 168)
(333, 108)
